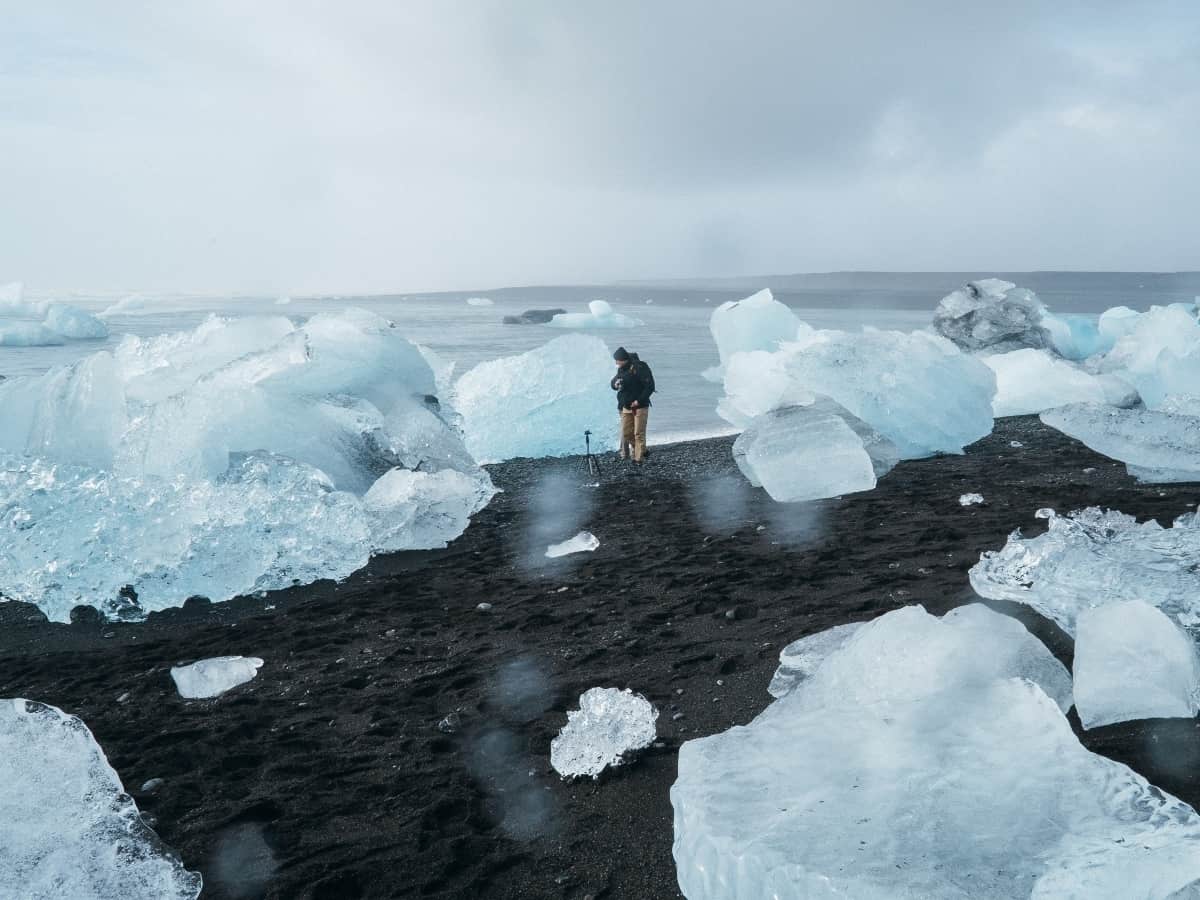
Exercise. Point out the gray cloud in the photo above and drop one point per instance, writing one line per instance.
(372, 146)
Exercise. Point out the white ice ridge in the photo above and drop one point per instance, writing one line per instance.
(600, 314)
(245, 455)
(608, 724)
(1091, 558)
(806, 452)
(923, 758)
(208, 678)
(479, 301)
(917, 390)
(41, 323)
(1133, 662)
(539, 403)
(67, 827)
(584, 542)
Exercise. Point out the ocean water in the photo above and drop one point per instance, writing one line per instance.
(674, 338)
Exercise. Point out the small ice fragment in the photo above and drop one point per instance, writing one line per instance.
(479, 301)
(970, 499)
(584, 542)
(484, 607)
(1133, 662)
(1016, 445)
(67, 827)
(213, 677)
(608, 724)
(1045, 513)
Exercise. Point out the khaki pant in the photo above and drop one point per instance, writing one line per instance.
(633, 433)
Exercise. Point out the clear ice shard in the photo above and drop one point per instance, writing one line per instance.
(1156, 445)
(924, 759)
(225, 460)
(758, 322)
(584, 542)
(1094, 557)
(539, 403)
(808, 452)
(608, 724)
(67, 827)
(207, 678)
(992, 314)
(1133, 662)
(600, 314)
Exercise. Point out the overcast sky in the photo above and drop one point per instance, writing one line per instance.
(395, 146)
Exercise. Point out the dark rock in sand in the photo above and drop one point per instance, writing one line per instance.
(341, 769)
(86, 616)
(533, 317)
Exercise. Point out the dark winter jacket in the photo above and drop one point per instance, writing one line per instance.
(633, 382)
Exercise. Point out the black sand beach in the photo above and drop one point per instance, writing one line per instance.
(396, 741)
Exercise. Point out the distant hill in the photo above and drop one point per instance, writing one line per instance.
(934, 281)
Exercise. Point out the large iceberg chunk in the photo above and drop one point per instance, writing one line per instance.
(539, 403)
(907, 654)
(1075, 336)
(1093, 557)
(229, 459)
(1151, 346)
(608, 724)
(67, 827)
(904, 768)
(207, 678)
(1156, 445)
(600, 314)
(807, 452)
(992, 314)
(1132, 662)
(759, 322)
(74, 323)
(1030, 381)
(38, 323)
(917, 390)
(20, 333)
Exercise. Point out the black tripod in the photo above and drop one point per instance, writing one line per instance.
(593, 463)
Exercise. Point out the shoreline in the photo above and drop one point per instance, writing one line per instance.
(331, 763)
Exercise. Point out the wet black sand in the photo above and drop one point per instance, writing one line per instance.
(329, 777)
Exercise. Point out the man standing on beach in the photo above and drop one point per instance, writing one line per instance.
(634, 383)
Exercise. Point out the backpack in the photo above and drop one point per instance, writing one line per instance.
(645, 372)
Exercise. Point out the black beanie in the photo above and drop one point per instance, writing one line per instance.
(621, 353)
